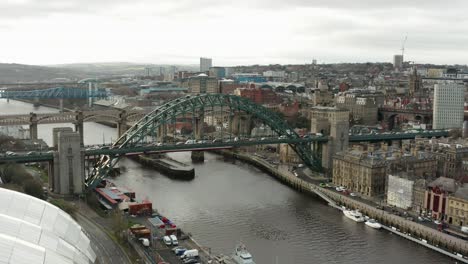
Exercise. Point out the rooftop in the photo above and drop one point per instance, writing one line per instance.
(444, 183)
(34, 231)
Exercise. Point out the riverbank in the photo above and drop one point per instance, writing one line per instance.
(444, 243)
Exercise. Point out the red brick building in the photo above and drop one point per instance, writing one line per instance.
(259, 95)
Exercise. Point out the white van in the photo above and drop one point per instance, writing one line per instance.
(464, 229)
(191, 253)
(167, 240)
(174, 240)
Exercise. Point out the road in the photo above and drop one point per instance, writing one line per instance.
(107, 251)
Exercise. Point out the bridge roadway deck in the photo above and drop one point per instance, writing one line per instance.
(137, 150)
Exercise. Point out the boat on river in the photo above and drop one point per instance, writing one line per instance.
(242, 256)
(354, 215)
(372, 223)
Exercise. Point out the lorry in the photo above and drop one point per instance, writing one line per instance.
(191, 253)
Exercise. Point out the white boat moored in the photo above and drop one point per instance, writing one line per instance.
(374, 224)
(354, 215)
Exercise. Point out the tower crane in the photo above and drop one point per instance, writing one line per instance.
(403, 46)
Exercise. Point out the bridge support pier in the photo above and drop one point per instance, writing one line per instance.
(61, 105)
(33, 126)
(198, 156)
(36, 102)
(122, 123)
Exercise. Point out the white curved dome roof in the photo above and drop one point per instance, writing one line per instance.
(34, 231)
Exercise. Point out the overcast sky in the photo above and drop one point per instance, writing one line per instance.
(232, 32)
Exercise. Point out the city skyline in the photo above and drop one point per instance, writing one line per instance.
(240, 33)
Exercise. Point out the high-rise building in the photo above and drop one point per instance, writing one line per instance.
(448, 111)
(205, 64)
(398, 61)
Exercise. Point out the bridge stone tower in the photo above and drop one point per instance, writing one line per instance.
(69, 171)
(334, 123)
(198, 124)
(241, 124)
(79, 127)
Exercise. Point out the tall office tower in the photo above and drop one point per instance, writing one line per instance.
(205, 64)
(448, 111)
(398, 61)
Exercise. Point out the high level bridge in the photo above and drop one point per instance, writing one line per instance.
(120, 117)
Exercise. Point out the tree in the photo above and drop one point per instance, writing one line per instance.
(65, 206)
(119, 223)
(33, 188)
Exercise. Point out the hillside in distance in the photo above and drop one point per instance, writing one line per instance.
(14, 73)
(122, 68)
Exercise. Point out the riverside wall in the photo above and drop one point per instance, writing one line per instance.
(432, 236)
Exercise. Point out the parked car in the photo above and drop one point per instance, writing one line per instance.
(174, 240)
(191, 260)
(10, 153)
(353, 194)
(144, 241)
(167, 240)
(179, 250)
(190, 141)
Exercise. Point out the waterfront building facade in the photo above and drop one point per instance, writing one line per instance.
(457, 212)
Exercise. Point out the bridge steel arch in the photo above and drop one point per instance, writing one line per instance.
(149, 125)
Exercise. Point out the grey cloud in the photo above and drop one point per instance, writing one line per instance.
(35, 8)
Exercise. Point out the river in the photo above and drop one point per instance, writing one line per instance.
(230, 201)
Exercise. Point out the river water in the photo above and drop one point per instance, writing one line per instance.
(231, 201)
